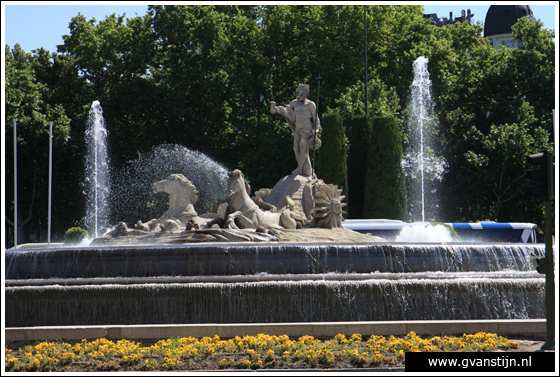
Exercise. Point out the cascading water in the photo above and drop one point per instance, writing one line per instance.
(97, 173)
(421, 165)
(234, 283)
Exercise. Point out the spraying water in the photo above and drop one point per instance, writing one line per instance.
(421, 166)
(424, 233)
(97, 172)
(132, 198)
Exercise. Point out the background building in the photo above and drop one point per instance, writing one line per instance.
(497, 25)
(500, 19)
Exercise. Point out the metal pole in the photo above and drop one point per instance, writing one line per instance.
(316, 121)
(365, 60)
(50, 179)
(15, 187)
(549, 277)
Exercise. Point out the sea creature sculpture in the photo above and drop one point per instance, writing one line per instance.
(243, 212)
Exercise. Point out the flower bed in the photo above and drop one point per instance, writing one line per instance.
(248, 352)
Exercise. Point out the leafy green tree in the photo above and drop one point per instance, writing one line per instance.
(393, 32)
(116, 56)
(27, 105)
(385, 193)
(382, 101)
(331, 157)
(500, 162)
(71, 91)
(491, 116)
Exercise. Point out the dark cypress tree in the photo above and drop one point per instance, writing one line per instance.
(385, 195)
(359, 135)
(331, 157)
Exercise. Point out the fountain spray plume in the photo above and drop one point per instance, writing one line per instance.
(133, 199)
(97, 173)
(421, 165)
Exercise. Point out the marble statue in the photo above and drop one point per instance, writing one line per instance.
(182, 195)
(245, 213)
(301, 115)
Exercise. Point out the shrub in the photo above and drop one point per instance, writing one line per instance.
(385, 195)
(75, 235)
(359, 136)
(331, 157)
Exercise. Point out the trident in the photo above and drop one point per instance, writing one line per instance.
(315, 120)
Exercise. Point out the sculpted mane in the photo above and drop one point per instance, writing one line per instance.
(238, 173)
(193, 192)
(182, 195)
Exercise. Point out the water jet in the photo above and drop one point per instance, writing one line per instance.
(97, 173)
(422, 165)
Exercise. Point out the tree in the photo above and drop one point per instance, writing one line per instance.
(115, 56)
(385, 194)
(491, 116)
(500, 162)
(331, 157)
(27, 104)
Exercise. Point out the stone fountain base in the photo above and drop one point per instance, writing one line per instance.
(137, 237)
(271, 282)
(275, 301)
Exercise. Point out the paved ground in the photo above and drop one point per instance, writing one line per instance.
(528, 345)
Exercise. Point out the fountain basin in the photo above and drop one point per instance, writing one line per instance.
(272, 282)
(217, 259)
(336, 298)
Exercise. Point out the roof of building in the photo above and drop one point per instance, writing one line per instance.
(500, 18)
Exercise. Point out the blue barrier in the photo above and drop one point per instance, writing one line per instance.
(485, 231)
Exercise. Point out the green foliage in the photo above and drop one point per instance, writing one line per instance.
(385, 181)
(359, 137)
(381, 100)
(75, 235)
(30, 101)
(331, 157)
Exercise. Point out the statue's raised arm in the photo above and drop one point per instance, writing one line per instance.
(301, 115)
(287, 112)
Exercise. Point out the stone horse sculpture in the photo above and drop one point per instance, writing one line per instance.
(243, 212)
(182, 196)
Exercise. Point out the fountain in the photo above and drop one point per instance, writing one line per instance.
(97, 173)
(272, 282)
(317, 272)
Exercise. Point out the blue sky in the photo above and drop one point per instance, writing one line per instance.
(39, 25)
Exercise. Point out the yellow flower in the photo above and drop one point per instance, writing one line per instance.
(356, 338)
(377, 358)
